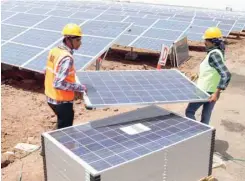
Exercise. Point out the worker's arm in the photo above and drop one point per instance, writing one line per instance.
(216, 62)
(62, 72)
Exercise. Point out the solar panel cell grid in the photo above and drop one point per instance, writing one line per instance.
(104, 29)
(23, 19)
(151, 44)
(12, 31)
(38, 38)
(125, 40)
(130, 87)
(57, 23)
(39, 10)
(91, 46)
(140, 21)
(162, 34)
(20, 54)
(6, 14)
(171, 25)
(105, 147)
(135, 30)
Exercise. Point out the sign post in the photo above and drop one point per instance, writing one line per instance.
(163, 56)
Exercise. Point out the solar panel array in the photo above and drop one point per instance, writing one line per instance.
(108, 88)
(31, 28)
(27, 38)
(104, 147)
(148, 19)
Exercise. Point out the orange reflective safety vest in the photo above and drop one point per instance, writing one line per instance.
(54, 57)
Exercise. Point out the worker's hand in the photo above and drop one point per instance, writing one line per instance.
(194, 77)
(85, 88)
(214, 97)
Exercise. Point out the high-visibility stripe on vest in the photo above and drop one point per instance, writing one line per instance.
(55, 56)
(208, 76)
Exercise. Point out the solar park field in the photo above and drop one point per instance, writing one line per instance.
(31, 28)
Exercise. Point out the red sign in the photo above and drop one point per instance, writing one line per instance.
(163, 56)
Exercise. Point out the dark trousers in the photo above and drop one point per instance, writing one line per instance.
(206, 110)
(64, 113)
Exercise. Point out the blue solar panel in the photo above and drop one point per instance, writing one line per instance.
(104, 29)
(226, 21)
(24, 19)
(38, 64)
(238, 27)
(138, 87)
(203, 18)
(20, 9)
(125, 40)
(39, 10)
(157, 16)
(205, 23)
(62, 13)
(15, 54)
(135, 30)
(171, 25)
(225, 28)
(140, 21)
(180, 19)
(57, 23)
(194, 36)
(91, 46)
(6, 14)
(162, 34)
(38, 38)
(109, 17)
(7, 6)
(197, 29)
(115, 146)
(110, 11)
(12, 31)
(82, 62)
(225, 32)
(85, 15)
(151, 44)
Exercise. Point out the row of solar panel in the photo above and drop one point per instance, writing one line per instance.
(92, 13)
(21, 29)
(226, 25)
(140, 25)
(25, 45)
(122, 6)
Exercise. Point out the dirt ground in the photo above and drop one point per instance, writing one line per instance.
(25, 115)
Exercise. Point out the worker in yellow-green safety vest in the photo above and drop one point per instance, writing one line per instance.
(213, 74)
(60, 83)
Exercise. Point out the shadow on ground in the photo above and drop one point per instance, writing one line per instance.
(221, 147)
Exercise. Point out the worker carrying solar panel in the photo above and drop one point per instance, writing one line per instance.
(60, 82)
(213, 74)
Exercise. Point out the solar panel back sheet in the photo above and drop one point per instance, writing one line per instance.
(107, 88)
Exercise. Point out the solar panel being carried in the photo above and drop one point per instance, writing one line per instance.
(108, 88)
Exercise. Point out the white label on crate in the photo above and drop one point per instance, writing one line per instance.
(135, 129)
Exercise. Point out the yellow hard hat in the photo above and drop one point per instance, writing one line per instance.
(213, 32)
(72, 30)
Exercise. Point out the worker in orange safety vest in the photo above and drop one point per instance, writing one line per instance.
(60, 83)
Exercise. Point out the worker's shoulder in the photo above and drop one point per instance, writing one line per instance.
(216, 52)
